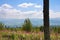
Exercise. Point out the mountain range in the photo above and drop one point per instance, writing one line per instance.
(35, 22)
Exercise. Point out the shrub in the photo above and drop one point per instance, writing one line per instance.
(14, 36)
(27, 26)
(41, 28)
(1, 26)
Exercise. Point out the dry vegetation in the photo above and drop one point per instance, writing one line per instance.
(27, 32)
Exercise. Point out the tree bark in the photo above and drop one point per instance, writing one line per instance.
(46, 19)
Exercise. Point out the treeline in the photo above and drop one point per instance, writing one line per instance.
(27, 26)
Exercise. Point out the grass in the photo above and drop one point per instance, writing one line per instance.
(27, 32)
(19, 35)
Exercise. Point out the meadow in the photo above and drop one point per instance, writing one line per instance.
(21, 35)
(27, 32)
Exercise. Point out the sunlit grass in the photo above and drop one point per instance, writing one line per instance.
(25, 36)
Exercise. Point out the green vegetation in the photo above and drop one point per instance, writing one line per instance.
(1, 26)
(27, 32)
(27, 26)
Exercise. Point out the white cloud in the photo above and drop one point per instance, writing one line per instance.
(25, 5)
(54, 14)
(6, 6)
(18, 14)
(37, 6)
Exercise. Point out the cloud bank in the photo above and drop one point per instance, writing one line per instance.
(25, 5)
(8, 12)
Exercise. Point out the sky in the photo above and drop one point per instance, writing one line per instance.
(21, 9)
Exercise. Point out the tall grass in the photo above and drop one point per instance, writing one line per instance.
(26, 36)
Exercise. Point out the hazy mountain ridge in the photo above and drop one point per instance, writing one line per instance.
(35, 22)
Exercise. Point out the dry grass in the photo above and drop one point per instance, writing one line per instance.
(22, 35)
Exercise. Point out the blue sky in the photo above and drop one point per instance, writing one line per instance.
(14, 3)
(19, 9)
(55, 5)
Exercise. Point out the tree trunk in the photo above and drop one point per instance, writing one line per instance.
(46, 19)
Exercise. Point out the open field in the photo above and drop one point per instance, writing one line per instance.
(20, 35)
(27, 32)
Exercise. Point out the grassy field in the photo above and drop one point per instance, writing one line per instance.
(21, 35)
(27, 32)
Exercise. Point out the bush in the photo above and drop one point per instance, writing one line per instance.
(27, 26)
(1, 26)
(14, 36)
(41, 28)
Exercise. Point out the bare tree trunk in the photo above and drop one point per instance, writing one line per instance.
(46, 19)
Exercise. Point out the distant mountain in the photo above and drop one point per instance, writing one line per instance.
(55, 21)
(35, 22)
(12, 22)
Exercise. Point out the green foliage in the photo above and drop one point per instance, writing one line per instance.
(1, 26)
(36, 29)
(41, 28)
(14, 36)
(56, 29)
(27, 26)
